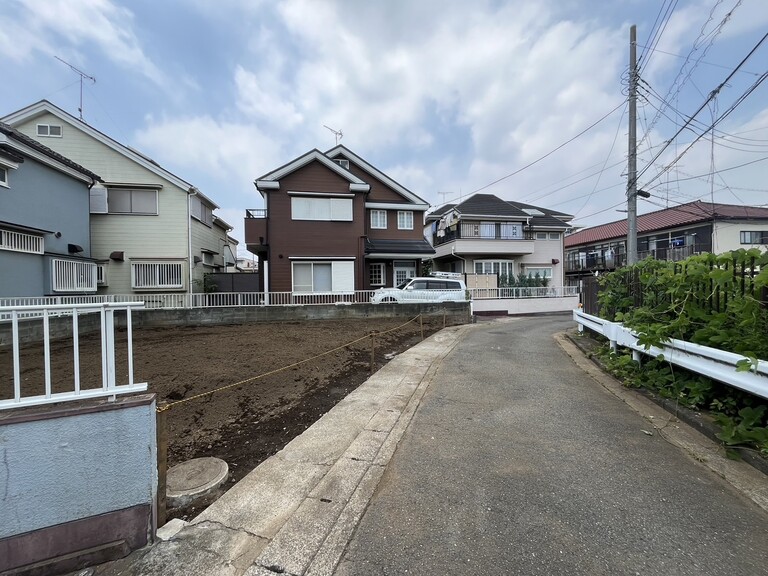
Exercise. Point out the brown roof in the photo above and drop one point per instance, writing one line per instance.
(682, 215)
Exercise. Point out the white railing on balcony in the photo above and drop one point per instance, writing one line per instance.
(109, 386)
(716, 364)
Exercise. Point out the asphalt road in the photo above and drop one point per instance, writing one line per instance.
(517, 462)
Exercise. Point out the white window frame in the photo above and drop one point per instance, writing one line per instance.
(323, 208)
(173, 270)
(102, 276)
(207, 258)
(72, 275)
(14, 241)
(342, 276)
(542, 236)
(495, 267)
(44, 130)
(377, 274)
(4, 177)
(378, 219)
(554, 235)
(405, 220)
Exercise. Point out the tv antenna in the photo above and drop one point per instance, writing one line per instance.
(83, 75)
(443, 194)
(338, 133)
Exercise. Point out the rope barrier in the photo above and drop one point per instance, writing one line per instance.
(165, 407)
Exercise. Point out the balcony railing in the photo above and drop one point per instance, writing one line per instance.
(256, 213)
(482, 231)
(598, 262)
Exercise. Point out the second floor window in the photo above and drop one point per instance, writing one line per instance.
(754, 237)
(123, 201)
(405, 220)
(378, 219)
(330, 209)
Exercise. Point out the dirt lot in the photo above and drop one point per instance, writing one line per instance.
(244, 424)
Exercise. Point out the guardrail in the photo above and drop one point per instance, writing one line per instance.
(711, 362)
(109, 387)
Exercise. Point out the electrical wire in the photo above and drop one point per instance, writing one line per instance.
(580, 134)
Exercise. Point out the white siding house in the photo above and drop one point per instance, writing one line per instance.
(150, 230)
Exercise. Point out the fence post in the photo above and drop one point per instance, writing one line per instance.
(373, 350)
(443, 316)
(162, 465)
(421, 325)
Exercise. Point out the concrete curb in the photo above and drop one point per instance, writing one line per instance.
(295, 513)
(749, 481)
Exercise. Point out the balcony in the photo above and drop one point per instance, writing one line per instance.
(256, 230)
(599, 262)
(483, 238)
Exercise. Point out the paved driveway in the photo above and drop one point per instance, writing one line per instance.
(518, 462)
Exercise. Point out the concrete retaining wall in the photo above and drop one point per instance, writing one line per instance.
(526, 305)
(85, 468)
(61, 327)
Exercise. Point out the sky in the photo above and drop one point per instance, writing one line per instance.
(526, 100)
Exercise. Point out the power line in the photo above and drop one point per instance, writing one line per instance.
(700, 61)
(711, 96)
(587, 129)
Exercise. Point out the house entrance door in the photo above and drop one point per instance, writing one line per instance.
(403, 271)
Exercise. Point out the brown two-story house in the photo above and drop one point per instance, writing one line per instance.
(333, 223)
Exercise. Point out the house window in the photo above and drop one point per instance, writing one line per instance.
(487, 230)
(20, 242)
(3, 176)
(208, 258)
(73, 276)
(376, 274)
(405, 220)
(403, 269)
(754, 237)
(500, 267)
(554, 236)
(314, 277)
(49, 130)
(511, 231)
(329, 209)
(378, 219)
(101, 274)
(541, 235)
(157, 275)
(200, 211)
(540, 272)
(129, 201)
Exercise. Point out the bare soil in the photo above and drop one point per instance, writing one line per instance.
(255, 416)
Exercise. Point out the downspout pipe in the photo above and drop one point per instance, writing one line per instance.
(191, 192)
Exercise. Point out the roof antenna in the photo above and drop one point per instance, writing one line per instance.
(82, 75)
(338, 133)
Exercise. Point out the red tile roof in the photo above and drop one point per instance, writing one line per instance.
(682, 215)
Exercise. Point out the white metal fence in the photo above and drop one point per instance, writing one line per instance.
(109, 386)
(227, 299)
(716, 364)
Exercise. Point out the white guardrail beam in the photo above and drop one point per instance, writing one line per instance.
(711, 362)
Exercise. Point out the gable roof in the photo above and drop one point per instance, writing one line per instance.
(681, 215)
(489, 205)
(341, 150)
(271, 179)
(44, 106)
(24, 143)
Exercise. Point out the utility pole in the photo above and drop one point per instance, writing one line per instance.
(632, 156)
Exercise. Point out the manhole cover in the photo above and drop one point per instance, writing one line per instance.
(194, 479)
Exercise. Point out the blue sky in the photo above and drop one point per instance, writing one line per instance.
(445, 96)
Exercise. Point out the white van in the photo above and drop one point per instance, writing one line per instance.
(425, 289)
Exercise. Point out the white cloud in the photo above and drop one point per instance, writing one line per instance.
(57, 26)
